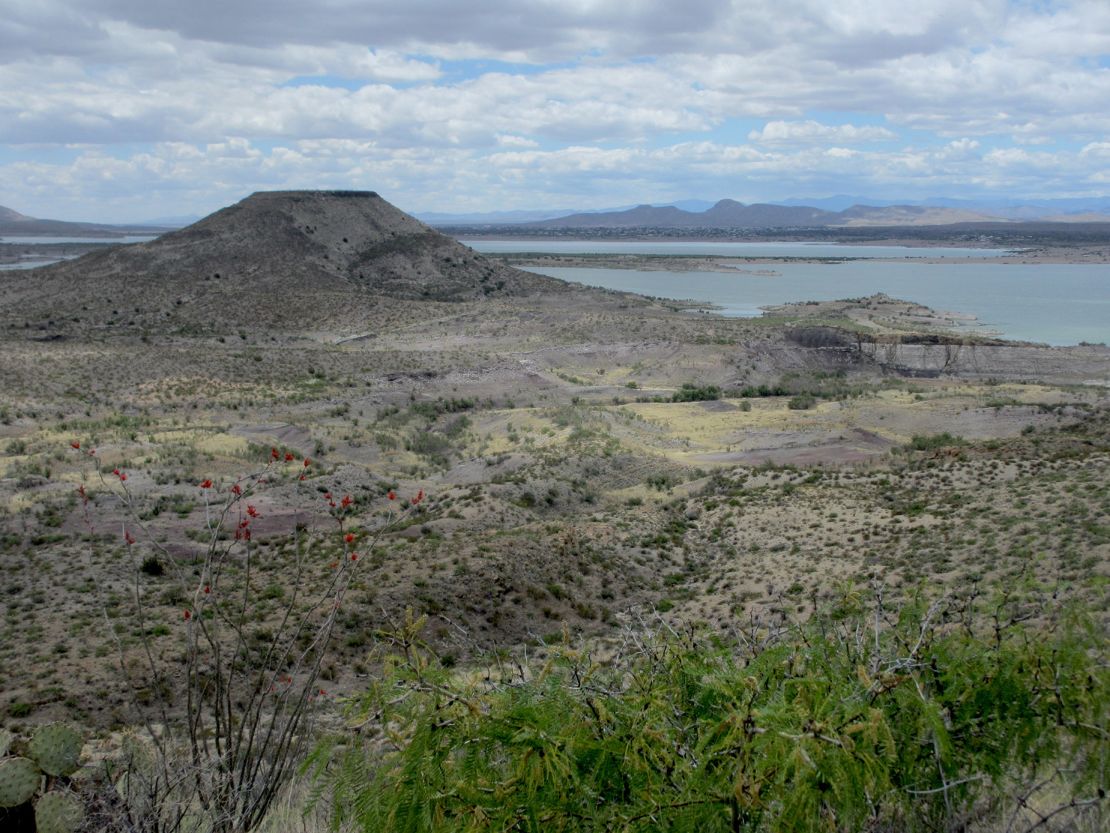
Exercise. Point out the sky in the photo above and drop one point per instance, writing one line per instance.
(128, 110)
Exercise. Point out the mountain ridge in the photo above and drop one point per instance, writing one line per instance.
(13, 222)
(730, 214)
(840, 210)
(10, 215)
(828, 212)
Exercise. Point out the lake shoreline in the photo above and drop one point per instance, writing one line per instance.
(1095, 251)
(28, 255)
(741, 263)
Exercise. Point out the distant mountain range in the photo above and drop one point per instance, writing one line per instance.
(437, 218)
(1036, 209)
(736, 215)
(174, 221)
(14, 224)
(838, 211)
(9, 216)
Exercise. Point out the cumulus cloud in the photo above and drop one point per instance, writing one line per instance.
(540, 95)
(201, 179)
(793, 132)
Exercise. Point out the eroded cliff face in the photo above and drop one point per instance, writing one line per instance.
(1005, 362)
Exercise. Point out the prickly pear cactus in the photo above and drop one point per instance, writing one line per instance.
(56, 748)
(58, 812)
(19, 781)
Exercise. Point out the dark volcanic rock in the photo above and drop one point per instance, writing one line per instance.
(287, 259)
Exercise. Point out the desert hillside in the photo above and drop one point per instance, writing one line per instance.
(311, 408)
(288, 260)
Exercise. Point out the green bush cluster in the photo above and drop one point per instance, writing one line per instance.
(696, 393)
(932, 442)
(857, 720)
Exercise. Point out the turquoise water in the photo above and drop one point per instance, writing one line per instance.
(694, 249)
(1054, 304)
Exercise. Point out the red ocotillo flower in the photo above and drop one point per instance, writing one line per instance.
(274, 454)
(206, 484)
(75, 445)
(188, 614)
(349, 537)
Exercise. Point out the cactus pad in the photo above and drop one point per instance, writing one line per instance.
(58, 812)
(19, 781)
(57, 748)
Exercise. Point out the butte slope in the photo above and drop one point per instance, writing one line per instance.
(284, 260)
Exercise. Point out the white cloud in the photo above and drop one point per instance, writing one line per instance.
(959, 149)
(1097, 150)
(647, 94)
(806, 132)
(200, 179)
(508, 141)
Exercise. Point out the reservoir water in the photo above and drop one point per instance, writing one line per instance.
(31, 259)
(1056, 304)
(727, 249)
(128, 238)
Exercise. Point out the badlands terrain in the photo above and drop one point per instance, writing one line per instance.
(584, 454)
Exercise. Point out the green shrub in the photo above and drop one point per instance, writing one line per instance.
(696, 393)
(802, 402)
(857, 720)
(935, 441)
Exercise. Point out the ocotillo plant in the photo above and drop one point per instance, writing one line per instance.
(227, 720)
